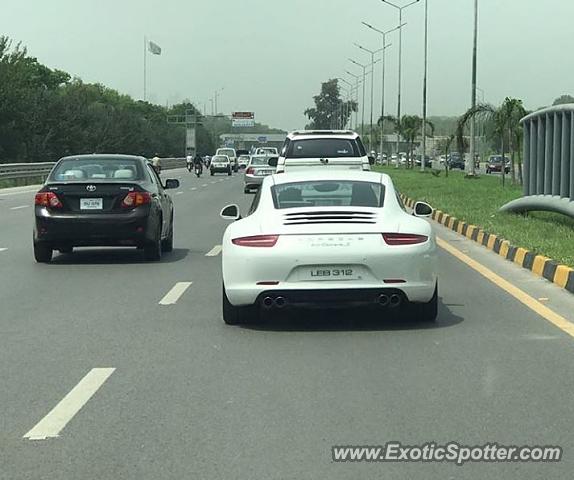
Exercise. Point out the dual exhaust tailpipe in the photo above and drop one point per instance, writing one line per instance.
(277, 302)
(394, 300)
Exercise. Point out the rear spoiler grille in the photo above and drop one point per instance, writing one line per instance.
(317, 217)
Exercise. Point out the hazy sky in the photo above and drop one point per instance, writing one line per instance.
(270, 56)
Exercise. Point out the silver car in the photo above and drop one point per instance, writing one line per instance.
(256, 171)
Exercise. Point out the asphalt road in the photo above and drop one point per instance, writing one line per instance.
(187, 397)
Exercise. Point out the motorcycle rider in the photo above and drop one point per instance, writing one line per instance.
(198, 163)
(189, 162)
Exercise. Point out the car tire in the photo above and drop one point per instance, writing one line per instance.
(229, 173)
(43, 252)
(233, 315)
(152, 249)
(211, 172)
(167, 244)
(427, 312)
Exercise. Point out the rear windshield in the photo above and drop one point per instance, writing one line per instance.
(99, 168)
(220, 158)
(259, 161)
(226, 151)
(322, 147)
(328, 193)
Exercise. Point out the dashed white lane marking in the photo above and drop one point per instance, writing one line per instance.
(193, 188)
(179, 193)
(3, 249)
(223, 179)
(214, 251)
(53, 423)
(19, 207)
(204, 185)
(175, 293)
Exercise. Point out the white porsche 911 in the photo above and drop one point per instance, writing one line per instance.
(325, 239)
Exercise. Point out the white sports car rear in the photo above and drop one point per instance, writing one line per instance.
(325, 239)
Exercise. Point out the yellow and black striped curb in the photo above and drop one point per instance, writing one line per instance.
(542, 266)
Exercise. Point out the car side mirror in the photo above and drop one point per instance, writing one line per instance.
(371, 160)
(422, 209)
(171, 183)
(272, 162)
(230, 212)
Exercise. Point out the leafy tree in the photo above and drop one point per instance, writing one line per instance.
(330, 110)
(563, 99)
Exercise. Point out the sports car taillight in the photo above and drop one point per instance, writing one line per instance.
(256, 241)
(250, 171)
(404, 238)
(135, 199)
(47, 199)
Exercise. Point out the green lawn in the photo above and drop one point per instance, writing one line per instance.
(477, 201)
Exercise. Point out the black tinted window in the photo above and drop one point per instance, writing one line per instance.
(322, 147)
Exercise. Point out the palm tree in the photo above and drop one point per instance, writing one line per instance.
(409, 128)
(505, 121)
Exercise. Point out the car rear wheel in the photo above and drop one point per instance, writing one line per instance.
(233, 315)
(167, 244)
(152, 250)
(229, 173)
(43, 252)
(211, 172)
(427, 312)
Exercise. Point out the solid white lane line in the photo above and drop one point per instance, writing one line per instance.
(175, 293)
(20, 207)
(214, 251)
(53, 423)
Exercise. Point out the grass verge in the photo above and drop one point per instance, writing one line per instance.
(476, 201)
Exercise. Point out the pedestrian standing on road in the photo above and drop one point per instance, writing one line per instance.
(156, 163)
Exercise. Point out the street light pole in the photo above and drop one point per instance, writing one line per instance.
(383, 47)
(373, 53)
(357, 81)
(424, 132)
(400, 9)
(364, 67)
(349, 92)
(470, 165)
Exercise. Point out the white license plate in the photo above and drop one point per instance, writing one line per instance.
(91, 203)
(263, 173)
(330, 273)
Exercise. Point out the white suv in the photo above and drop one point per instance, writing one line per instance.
(340, 149)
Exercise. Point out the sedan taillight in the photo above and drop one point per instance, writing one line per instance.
(47, 199)
(250, 171)
(135, 199)
(404, 238)
(256, 241)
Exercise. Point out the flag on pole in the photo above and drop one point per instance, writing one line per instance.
(154, 48)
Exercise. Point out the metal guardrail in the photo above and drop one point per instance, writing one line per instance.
(548, 162)
(11, 171)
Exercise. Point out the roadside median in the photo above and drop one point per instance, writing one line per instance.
(541, 242)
